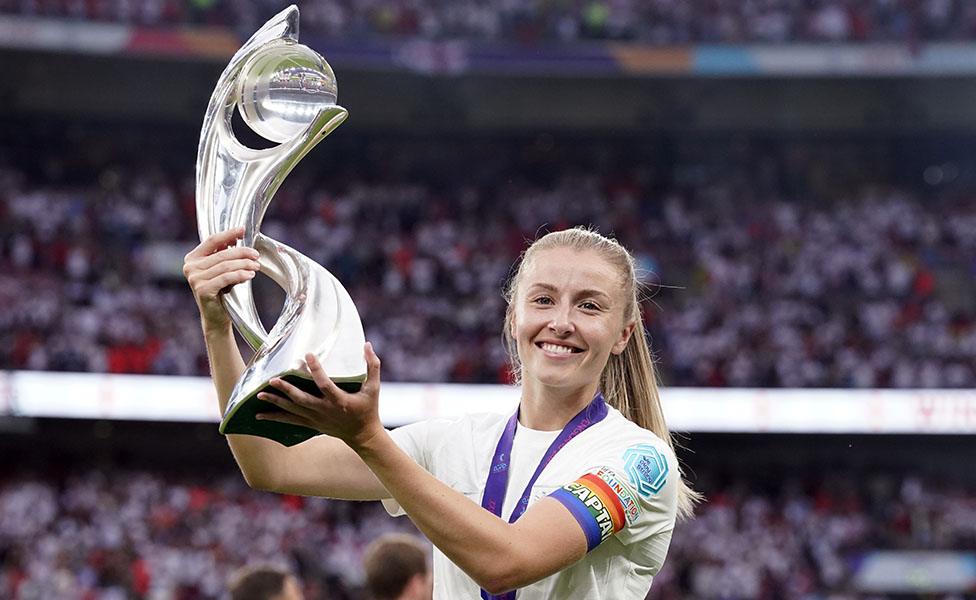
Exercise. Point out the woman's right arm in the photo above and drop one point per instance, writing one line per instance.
(321, 466)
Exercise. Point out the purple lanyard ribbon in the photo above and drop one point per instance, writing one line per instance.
(497, 484)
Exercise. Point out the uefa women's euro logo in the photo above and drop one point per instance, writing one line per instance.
(646, 468)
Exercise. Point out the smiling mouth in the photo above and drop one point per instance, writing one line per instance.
(558, 349)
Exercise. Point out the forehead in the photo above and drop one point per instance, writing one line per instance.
(571, 269)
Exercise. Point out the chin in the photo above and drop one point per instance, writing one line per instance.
(550, 379)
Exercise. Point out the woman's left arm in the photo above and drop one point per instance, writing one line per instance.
(498, 555)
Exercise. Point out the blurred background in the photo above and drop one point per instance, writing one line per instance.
(795, 177)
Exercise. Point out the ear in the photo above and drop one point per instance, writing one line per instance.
(625, 334)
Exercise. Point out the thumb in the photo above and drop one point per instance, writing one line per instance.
(372, 367)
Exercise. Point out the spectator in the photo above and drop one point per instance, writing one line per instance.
(117, 533)
(397, 568)
(859, 284)
(656, 22)
(264, 583)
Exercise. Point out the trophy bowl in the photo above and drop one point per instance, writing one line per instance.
(282, 88)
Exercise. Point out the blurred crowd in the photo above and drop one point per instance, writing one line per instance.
(126, 534)
(750, 282)
(804, 540)
(658, 22)
(140, 534)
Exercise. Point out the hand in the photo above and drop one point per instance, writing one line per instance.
(214, 267)
(351, 417)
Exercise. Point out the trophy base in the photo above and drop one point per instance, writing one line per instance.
(243, 420)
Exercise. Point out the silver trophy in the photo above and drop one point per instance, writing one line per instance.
(286, 93)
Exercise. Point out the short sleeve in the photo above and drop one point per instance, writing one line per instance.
(416, 440)
(412, 439)
(630, 493)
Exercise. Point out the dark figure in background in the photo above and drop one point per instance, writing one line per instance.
(397, 569)
(264, 582)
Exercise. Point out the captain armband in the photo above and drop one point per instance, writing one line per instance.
(602, 503)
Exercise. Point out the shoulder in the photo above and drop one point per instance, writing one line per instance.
(466, 422)
(617, 435)
(455, 450)
(473, 424)
(648, 461)
(638, 465)
(626, 481)
(464, 429)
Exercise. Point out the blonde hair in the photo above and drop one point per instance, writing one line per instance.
(629, 381)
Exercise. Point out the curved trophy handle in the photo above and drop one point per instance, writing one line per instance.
(287, 93)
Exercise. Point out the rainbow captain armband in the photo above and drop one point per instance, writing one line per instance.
(601, 503)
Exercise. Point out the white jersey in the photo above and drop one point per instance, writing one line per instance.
(618, 480)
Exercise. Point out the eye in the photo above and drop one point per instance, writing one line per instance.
(543, 300)
(589, 305)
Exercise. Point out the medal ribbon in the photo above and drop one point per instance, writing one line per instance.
(497, 484)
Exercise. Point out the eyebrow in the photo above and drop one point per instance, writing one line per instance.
(587, 292)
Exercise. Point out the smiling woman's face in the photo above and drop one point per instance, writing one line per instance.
(568, 317)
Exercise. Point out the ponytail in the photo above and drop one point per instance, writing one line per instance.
(629, 384)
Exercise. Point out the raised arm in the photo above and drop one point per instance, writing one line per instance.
(498, 555)
(321, 466)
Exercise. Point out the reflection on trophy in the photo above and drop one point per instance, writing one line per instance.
(287, 93)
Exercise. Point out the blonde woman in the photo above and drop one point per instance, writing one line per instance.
(575, 495)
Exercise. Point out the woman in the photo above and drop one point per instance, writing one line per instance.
(573, 496)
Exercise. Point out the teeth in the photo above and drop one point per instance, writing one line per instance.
(556, 349)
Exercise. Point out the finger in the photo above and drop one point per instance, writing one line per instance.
(225, 255)
(221, 283)
(372, 367)
(285, 405)
(284, 417)
(239, 264)
(202, 282)
(328, 387)
(217, 241)
(300, 400)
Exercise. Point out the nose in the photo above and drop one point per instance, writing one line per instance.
(561, 323)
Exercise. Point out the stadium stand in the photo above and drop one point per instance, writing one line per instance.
(658, 22)
(797, 228)
(139, 533)
(752, 283)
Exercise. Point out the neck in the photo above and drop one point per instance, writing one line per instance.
(549, 409)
